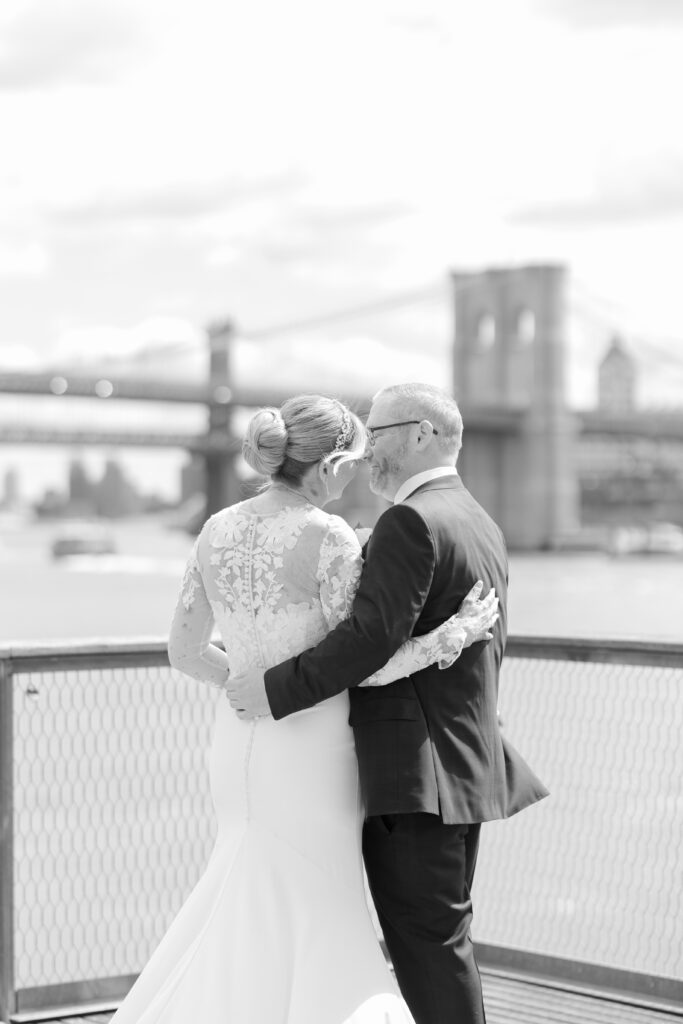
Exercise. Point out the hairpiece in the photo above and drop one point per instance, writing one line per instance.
(345, 434)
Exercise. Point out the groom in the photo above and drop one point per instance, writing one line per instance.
(433, 764)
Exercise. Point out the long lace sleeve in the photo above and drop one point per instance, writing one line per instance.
(339, 568)
(341, 565)
(442, 646)
(189, 646)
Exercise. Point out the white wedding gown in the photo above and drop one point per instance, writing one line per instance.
(277, 930)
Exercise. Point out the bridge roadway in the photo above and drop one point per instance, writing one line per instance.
(137, 389)
(42, 435)
(52, 384)
(662, 424)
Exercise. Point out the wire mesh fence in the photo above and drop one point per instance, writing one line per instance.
(112, 818)
(112, 815)
(594, 872)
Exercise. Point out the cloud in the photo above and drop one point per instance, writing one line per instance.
(146, 346)
(174, 201)
(351, 218)
(329, 237)
(654, 194)
(350, 364)
(609, 14)
(417, 22)
(72, 42)
(322, 243)
(173, 348)
(18, 357)
(23, 259)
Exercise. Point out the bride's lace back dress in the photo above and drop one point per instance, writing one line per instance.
(277, 931)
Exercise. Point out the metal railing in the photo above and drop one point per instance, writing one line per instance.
(106, 818)
(588, 884)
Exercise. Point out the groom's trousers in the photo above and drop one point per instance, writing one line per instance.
(420, 873)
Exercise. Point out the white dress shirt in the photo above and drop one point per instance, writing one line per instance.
(413, 482)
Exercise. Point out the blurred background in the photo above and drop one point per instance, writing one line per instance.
(207, 207)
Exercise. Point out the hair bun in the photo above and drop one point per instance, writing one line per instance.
(265, 442)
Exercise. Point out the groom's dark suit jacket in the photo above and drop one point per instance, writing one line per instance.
(430, 742)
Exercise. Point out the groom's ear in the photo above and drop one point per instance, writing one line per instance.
(425, 433)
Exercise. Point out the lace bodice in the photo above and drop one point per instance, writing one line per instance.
(275, 584)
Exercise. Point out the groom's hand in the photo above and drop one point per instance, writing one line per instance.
(247, 694)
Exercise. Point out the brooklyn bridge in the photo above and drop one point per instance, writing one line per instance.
(525, 449)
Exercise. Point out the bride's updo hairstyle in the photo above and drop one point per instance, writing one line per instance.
(284, 443)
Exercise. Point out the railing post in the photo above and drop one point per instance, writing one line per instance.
(7, 1006)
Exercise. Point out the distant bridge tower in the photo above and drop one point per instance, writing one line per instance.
(222, 482)
(518, 454)
(616, 380)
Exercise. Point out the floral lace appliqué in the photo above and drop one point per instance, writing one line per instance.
(192, 579)
(339, 567)
(274, 585)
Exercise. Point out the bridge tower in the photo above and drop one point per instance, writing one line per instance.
(222, 482)
(510, 347)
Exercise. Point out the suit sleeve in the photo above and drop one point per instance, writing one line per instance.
(395, 582)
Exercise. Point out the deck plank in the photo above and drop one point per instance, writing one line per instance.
(512, 1000)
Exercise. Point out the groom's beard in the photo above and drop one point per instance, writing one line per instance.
(384, 470)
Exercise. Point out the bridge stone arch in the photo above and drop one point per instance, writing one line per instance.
(509, 379)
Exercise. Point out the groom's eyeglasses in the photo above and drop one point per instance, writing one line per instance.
(371, 431)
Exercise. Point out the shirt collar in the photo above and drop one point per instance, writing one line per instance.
(413, 482)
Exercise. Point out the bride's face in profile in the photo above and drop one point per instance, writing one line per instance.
(337, 482)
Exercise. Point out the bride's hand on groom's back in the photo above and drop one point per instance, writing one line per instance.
(477, 615)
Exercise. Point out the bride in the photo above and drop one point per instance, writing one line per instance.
(277, 930)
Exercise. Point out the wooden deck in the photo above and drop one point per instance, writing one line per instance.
(513, 1000)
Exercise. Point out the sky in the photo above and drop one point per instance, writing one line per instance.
(164, 164)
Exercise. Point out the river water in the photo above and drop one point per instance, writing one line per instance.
(133, 592)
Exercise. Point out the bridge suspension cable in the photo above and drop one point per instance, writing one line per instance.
(388, 305)
(649, 345)
(442, 291)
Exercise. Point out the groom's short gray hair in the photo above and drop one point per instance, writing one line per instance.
(425, 401)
